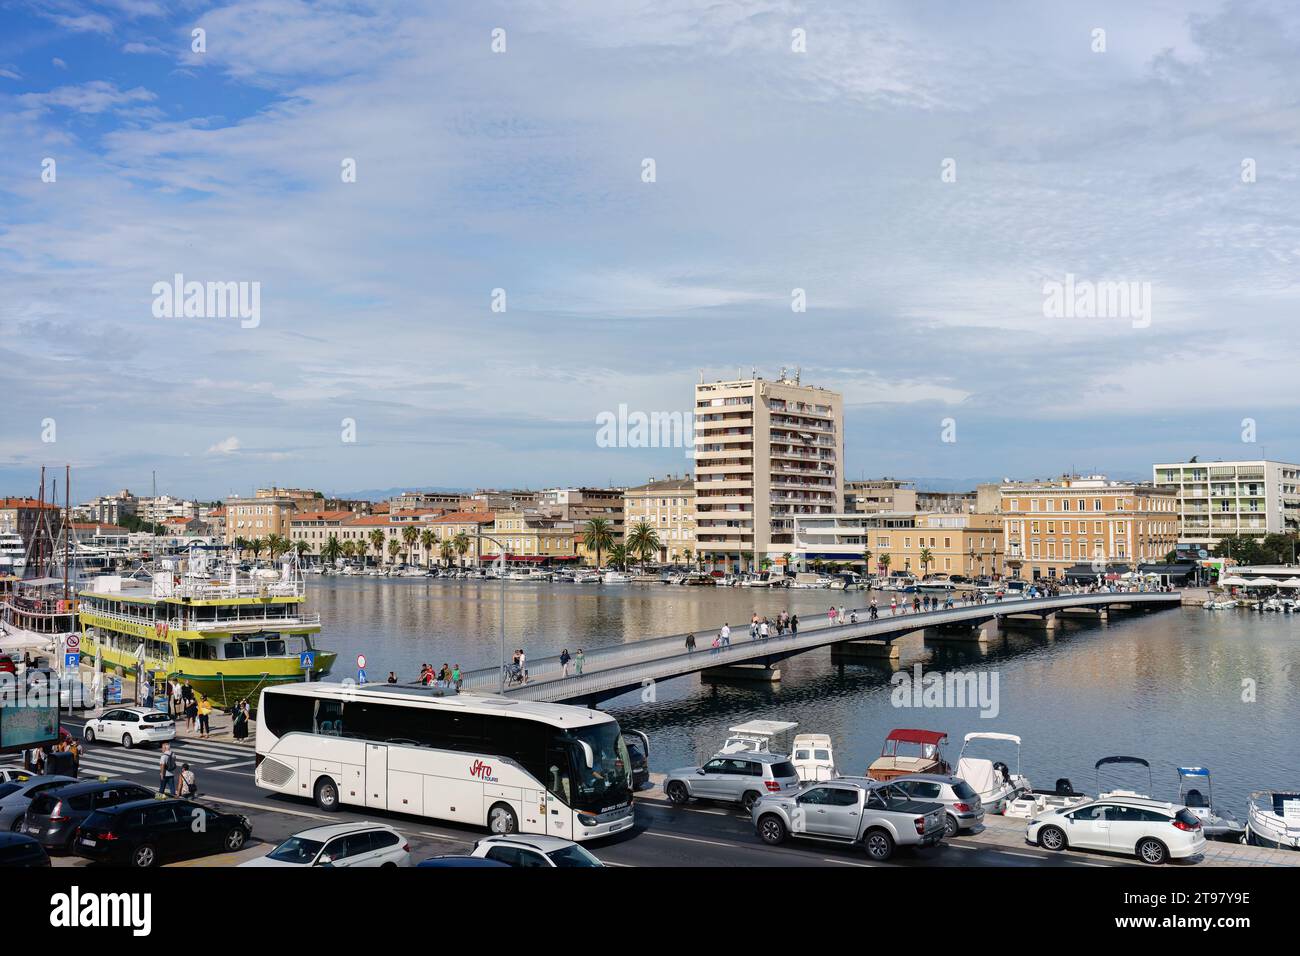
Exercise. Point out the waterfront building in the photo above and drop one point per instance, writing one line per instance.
(22, 516)
(427, 500)
(491, 500)
(157, 509)
(316, 528)
(530, 538)
(579, 506)
(967, 544)
(766, 452)
(880, 494)
(111, 509)
(1056, 524)
(1221, 498)
(450, 525)
(258, 517)
(668, 505)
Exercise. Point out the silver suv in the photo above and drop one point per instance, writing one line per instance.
(876, 815)
(961, 804)
(739, 778)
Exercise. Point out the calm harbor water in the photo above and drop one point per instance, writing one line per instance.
(1166, 686)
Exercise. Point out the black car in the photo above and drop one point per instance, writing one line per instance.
(144, 832)
(53, 817)
(17, 849)
(462, 862)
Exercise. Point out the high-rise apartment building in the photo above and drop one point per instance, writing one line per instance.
(765, 452)
(1220, 498)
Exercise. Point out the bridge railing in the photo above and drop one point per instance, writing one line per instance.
(813, 632)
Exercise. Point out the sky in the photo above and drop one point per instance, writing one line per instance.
(923, 172)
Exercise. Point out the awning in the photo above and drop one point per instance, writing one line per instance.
(1233, 581)
(917, 736)
(1261, 582)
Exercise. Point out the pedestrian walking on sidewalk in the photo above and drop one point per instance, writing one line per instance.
(167, 770)
(178, 700)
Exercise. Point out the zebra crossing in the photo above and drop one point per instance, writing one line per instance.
(200, 754)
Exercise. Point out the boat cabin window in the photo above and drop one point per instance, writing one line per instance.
(801, 755)
(821, 755)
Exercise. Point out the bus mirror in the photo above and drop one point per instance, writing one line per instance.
(587, 754)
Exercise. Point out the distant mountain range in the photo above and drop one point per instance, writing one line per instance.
(383, 494)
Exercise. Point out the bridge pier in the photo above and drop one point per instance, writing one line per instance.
(1038, 622)
(981, 633)
(724, 673)
(865, 651)
(1097, 614)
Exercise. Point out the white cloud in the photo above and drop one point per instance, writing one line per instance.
(227, 446)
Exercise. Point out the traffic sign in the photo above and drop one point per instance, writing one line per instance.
(72, 642)
(307, 660)
(71, 661)
(361, 662)
(361, 676)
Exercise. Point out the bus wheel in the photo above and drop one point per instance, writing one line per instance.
(327, 795)
(501, 819)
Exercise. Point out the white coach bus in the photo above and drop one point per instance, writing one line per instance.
(512, 766)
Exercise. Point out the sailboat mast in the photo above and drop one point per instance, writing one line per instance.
(40, 520)
(67, 511)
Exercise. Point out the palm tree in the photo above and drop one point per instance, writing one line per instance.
(394, 549)
(617, 552)
(687, 554)
(331, 550)
(349, 549)
(448, 549)
(410, 535)
(461, 543)
(598, 537)
(377, 538)
(256, 546)
(866, 558)
(643, 540)
(427, 540)
(301, 547)
(927, 558)
(241, 545)
(884, 564)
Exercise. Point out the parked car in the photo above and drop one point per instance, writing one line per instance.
(341, 844)
(961, 804)
(16, 796)
(530, 851)
(462, 861)
(1152, 830)
(54, 815)
(18, 849)
(738, 777)
(143, 832)
(129, 726)
(877, 815)
(14, 774)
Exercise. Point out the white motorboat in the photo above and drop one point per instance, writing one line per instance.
(587, 577)
(1274, 819)
(1223, 605)
(13, 554)
(813, 757)
(1217, 825)
(755, 736)
(1029, 804)
(617, 577)
(992, 780)
(1119, 761)
(762, 579)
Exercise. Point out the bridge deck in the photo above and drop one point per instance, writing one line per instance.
(609, 671)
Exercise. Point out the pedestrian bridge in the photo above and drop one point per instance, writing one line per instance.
(610, 671)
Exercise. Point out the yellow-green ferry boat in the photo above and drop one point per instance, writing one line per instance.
(227, 631)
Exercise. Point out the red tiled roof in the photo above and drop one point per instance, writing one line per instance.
(322, 516)
(378, 521)
(464, 517)
(25, 503)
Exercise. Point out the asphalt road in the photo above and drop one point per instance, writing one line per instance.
(699, 834)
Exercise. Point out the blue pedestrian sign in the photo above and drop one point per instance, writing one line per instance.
(307, 660)
(361, 676)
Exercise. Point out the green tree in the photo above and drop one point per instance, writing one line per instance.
(617, 554)
(349, 549)
(884, 564)
(461, 543)
(331, 550)
(241, 545)
(448, 549)
(256, 546)
(410, 535)
(427, 540)
(642, 540)
(377, 538)
(598, 536)
(394, 549)
(301, 547)
(927, 558)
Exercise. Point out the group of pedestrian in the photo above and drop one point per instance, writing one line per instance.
(62, 759)
(448, 675)
(180, 782)
(575, 661)
(836, 615)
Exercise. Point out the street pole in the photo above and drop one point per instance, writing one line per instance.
(501, 562)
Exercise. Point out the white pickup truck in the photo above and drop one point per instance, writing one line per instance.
(853, 810)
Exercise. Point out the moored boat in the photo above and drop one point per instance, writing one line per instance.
(992, 780)
(228, 632)
(1217, 824)
(926, 758)
(1274, 819)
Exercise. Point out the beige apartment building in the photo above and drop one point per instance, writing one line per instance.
(579, 506)
(530, 537)
(766, 452)
(258, 517)
(447, 527)
(667, 505)
(879, 494)
(1054, 525)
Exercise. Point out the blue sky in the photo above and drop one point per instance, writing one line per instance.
(522, 171)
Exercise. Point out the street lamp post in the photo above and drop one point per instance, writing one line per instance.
(480, 537)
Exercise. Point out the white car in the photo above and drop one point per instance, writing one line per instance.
(15, 775)
(524, 850)
(129, 726)
(1152, 830)
(340, 844)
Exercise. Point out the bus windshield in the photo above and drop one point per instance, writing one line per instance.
(606, 784)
